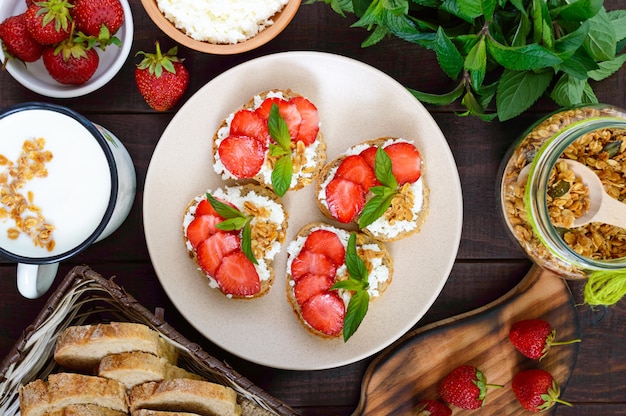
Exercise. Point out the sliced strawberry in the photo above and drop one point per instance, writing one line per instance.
(288, 111)
(237, 275)
(345, 199)
(309, 285)
(204, 208)
(249, 123)
(369, 155)
(201, 228)
(212, 251)
(243, 156)
(325, 313)
(405, 162)
(312, 263)
(327, 243)
(354, 168)
(310, 125)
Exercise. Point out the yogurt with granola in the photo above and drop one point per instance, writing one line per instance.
(221, 22)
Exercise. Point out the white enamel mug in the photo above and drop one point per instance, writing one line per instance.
(84, 194)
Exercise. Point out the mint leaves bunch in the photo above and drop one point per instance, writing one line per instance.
(510, 51)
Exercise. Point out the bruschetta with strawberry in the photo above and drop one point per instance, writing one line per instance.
(378, 184)
(274, 139)
(328, 269)
(233, 234)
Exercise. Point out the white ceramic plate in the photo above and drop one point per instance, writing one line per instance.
(356, 102)
(35, 77)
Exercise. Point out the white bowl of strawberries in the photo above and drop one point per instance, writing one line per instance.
(73, 58)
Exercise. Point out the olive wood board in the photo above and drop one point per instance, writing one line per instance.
(409, 370)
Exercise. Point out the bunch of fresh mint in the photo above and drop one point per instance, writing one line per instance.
(512, 50)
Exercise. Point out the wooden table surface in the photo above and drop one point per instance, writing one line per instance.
(487, 265)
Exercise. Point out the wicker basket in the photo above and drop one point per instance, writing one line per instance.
(85, 297)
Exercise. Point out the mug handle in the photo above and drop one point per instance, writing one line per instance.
(33, 280)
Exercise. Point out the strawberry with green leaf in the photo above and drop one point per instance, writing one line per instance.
(534, 337)
(49, 22)
(71, 62)
(536, 390)
(162, 79)
(432, 408)
(91, 15)
(465, 387)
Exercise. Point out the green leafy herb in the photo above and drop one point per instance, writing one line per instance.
(383, 194)
(520, 46)
(358, 284)
(234, 220)
(283, 168)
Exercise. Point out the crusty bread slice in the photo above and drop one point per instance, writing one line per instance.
(185, 395)
(133, 368)
(82, 347)
(305, 173)
(147, 412)
(264, 230)
(85, 410)
(388, 233)
(65, 389)
(373, 252)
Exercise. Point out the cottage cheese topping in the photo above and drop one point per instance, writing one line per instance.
(221, 22)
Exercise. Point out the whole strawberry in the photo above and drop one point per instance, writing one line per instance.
(90, 15)
(465, 387)
(17, 42)
(432, 408)
(536, 390)
(534, 337)
(161, 79)
(49, 22)
(71, 62)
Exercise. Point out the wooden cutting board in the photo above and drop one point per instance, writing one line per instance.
(410, 369)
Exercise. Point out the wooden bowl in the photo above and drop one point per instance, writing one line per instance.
(281, 20)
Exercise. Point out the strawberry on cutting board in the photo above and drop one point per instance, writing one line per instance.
(536, 390)
(465, 387)
(274, 139)
(162, 79)
(326, 289)
(377, 184)
(233, 235)
(534, 337)
(432, 408)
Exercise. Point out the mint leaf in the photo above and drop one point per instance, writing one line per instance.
(224, 210)
(542, 24)
(523, 58)
(383, 169)
(566, 46)
(278, 128)
(470, 8)
(357, 309)
(438, 99)
(518, 90)
(282, 174)
(607, 68)
(234, 220)
(601, 39)
(448, 56)
(376, 206)
(232, 224)
(578, 10)
(246, 243)
(618, 21)
(567, 91)
(354, 264)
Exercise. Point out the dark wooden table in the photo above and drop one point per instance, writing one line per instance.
(488, 263)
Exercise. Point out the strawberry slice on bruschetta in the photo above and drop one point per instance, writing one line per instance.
(321, 282)
(282, 149)
(233, 235)
(377, 184)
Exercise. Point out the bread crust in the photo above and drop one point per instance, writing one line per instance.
(85, 410)
(246, 190)
(418, 219)
(361, 240)
(317, 161)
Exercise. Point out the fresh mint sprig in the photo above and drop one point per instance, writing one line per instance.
(234, 220)
(357, 283)
(383, 194)
(507, 52)
(283, 168)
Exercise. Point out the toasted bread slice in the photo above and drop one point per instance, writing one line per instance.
(133, 368)
(85, 410)
(374, 254)
(65, 389)
(147, 412)
(408, 211)
(307, 160)
(81, 347)
(185, 395)
(268, 230)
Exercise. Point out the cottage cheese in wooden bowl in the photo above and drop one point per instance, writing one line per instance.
(221, 27)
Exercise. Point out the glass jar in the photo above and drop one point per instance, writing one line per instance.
(537, 195)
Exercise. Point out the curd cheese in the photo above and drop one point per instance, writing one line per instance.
(221, 22)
